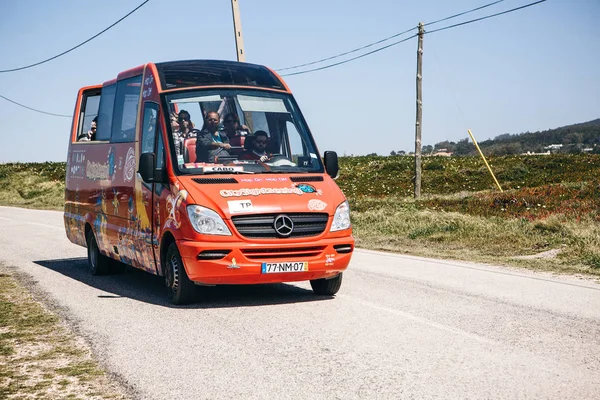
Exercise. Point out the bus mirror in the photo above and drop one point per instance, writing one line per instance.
(160, 175)
(331, 164)
(147, 164)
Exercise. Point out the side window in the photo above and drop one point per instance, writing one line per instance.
(105, 112)
(294, 139)
(126, 108)
(149, 127)
(160, 152)
(299, 152)
(89, 111)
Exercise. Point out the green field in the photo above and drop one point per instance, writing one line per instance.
(548, 216)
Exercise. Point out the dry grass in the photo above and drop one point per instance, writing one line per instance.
(397, 225)
(39, 356)
(24, 189)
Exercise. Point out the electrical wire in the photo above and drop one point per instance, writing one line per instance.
(347, 52)
(387, 38)
(351, 59)
(404, 40)
(486, 17)
(79, 45)
(463, 13)
(33, 109)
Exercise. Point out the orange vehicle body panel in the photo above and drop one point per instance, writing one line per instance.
(134, 221)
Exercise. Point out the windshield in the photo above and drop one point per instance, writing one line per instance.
(239, 131)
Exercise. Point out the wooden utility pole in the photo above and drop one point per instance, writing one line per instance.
(418, 124)
(237, 31)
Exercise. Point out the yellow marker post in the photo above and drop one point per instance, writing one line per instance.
(484, 160)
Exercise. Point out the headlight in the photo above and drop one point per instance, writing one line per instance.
(206, 221)
(341, 218)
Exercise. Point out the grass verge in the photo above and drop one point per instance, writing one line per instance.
(403, 225)
(39, 356)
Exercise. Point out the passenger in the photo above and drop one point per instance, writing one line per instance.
(183, 128)
(186, 126)
(258, 148)
(91, 134)
(231, 122)
(211, 143)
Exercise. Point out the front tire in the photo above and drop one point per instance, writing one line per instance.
(327, 287)
(98, 263)
(180, 288)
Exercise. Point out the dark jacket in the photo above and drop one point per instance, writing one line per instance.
(205, 151)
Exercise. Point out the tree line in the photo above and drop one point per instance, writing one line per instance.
(577, 138)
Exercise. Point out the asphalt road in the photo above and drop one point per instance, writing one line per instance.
(401, 327)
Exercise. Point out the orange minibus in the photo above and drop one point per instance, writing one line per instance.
(204, 172)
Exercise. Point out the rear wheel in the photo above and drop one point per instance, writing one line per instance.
(327, 287)
(180, 288)
(98, 263)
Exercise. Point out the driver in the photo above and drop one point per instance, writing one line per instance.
(259, 146)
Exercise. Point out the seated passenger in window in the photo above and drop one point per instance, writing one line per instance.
(257, 148)
(186, 126)
(235, 132)
(182, 128)
(231, 122)
(89, 135)
(211, 143)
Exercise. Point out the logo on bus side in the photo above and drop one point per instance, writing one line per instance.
(129, 168)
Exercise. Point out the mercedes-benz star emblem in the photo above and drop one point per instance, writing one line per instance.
(283, 225)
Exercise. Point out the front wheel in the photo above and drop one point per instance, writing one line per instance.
(98, 263)
(180, 288)
(327, 287)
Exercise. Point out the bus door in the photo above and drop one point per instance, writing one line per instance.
(152, 194)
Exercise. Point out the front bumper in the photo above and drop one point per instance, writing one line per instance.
(241, 263)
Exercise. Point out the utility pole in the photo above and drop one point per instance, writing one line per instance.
(418, 124)
(237, 31)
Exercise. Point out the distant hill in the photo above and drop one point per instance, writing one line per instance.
(576, 138)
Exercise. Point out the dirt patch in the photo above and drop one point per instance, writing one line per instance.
(544, 254)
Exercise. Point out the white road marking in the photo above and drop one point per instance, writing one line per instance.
(420, 320)
(33, 223)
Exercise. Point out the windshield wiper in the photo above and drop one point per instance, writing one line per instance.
(295, 170)
(226, 172)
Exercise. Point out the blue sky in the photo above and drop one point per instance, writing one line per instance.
(530, 70)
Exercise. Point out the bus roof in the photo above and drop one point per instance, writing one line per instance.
(189, 73)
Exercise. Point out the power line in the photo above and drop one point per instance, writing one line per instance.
(463, 13)
(351, 59)
(387, 38)
(410, 37)
(79, 45)
(486, 17)
(33, 109)
(347, 52)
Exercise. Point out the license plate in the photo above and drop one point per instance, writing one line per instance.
(274, 268)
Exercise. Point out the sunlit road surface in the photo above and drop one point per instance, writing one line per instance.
(400, 327)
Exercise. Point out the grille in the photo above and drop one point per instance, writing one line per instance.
(289, 253)
(306, 178)
(215, 180)
(261, 225)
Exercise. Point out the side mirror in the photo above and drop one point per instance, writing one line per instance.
(147, 166)
(160, 175)
(331, 164)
